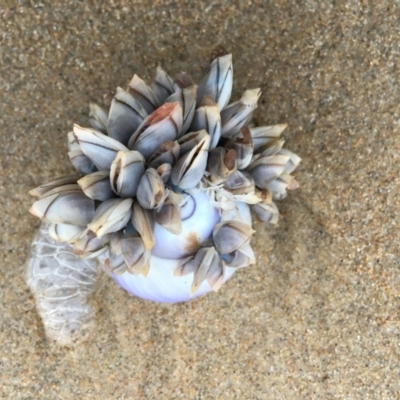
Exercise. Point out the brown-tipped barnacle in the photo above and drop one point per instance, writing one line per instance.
(266, 169)
(183, 80)
(190, 168)
(294, 160)
(115, 264)
(65, 233)
(143, 221)
(111, 216)
(293, 184)
(270, 150)
(279, 185)
(64, 205)
(264, 195)
(208, 117)
(151, 192)
(98, 118)
(237, 114)
(43, 189)
(186, 97)
(126, 114)
(221, 164)
(136, 256)
(248, 198)
(264, 136)
(230, 235)
(164, 170)
(167, 153)
(169, 217)
(240, 182)
(164, 124)
(126, 170)
(218, 51)
(189, 141)
(143, 94)
(89, 245)
(218, 81)
(240, 258)
(266, 212)
(163, 85)
(114, 260)
(243, 145)
(208, 266)
(101, 149)
(97, 185)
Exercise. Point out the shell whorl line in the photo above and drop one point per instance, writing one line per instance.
(188, 208)
(155, 152)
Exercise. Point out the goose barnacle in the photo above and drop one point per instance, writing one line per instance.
(167, 177)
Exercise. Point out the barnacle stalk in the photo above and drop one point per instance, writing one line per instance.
(166, 178)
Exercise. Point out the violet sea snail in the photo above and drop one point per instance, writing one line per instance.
(166, 179)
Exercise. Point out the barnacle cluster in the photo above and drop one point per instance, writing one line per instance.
(169, 172)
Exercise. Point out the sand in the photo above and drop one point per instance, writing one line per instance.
(318, 316)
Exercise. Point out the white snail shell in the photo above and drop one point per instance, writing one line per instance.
(160, 284)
